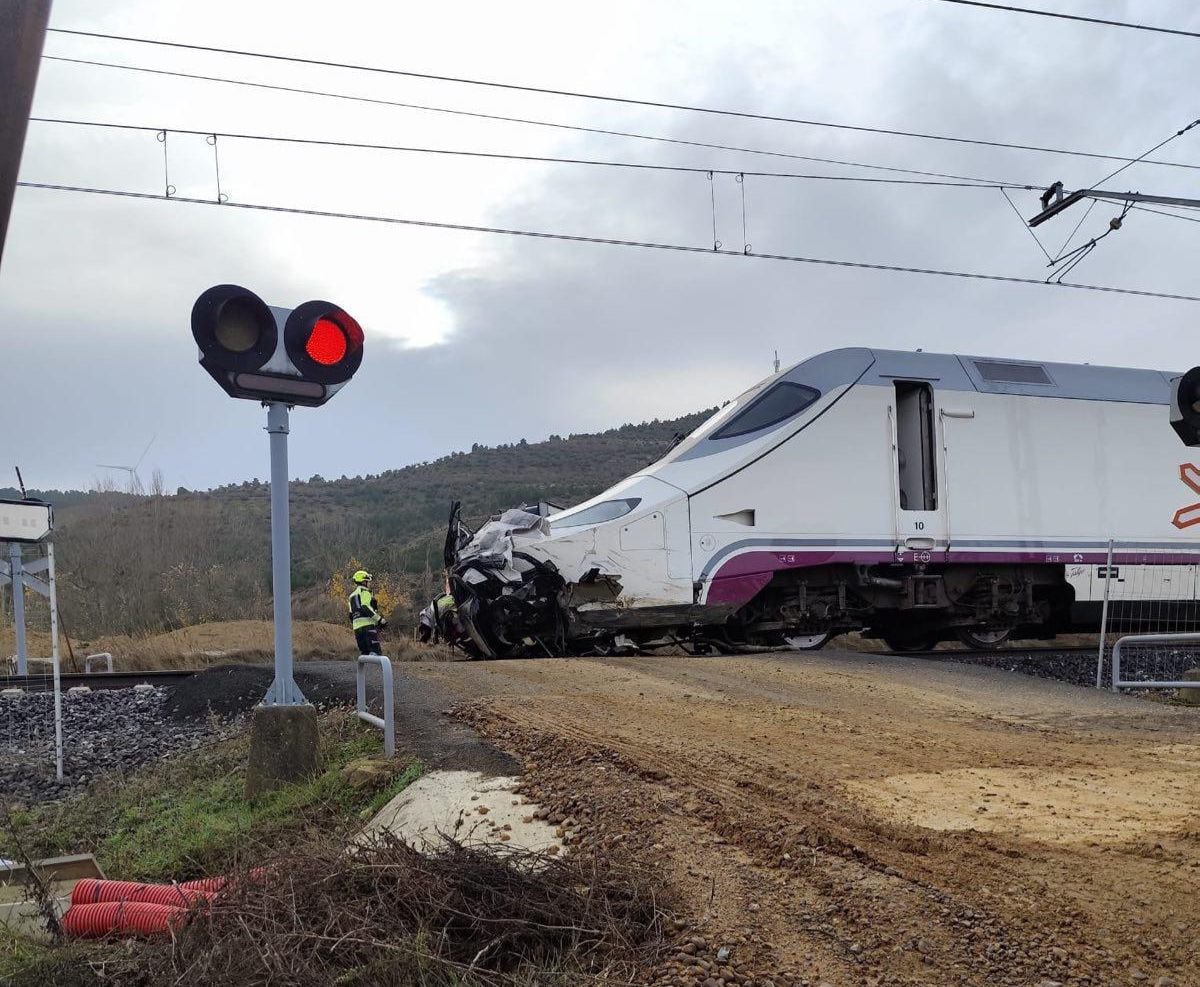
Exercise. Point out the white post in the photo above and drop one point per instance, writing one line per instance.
(17, 572)
(58, 732)
(1104, 615)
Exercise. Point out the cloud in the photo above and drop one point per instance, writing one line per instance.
(491, 339)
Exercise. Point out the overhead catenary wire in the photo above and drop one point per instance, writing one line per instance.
(579, 128)
(1163, 143)
(1163, 212)
(610, 241)
(540, 158)
(1059, 15)
(601, 97)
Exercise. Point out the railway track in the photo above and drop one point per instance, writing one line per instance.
(96, 680)
(957, 654)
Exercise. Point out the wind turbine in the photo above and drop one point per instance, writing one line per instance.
(135, 481)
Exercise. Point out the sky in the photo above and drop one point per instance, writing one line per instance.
(475, 337)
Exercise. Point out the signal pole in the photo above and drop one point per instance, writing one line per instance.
(283, 691)
(23, 28)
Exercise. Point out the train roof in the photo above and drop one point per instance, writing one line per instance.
(992, 375)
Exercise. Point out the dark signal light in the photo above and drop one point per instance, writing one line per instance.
(1185, 407)
(234, 328)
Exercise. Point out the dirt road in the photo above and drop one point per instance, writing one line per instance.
(850, 819)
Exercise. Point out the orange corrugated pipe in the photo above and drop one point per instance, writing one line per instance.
(136, 918)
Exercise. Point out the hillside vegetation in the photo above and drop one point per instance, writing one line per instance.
(135, 565)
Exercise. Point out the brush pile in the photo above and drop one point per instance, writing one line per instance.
(386, 914)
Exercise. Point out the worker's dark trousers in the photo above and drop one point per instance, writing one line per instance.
(368, 641)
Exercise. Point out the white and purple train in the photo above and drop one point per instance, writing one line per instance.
(916, 497)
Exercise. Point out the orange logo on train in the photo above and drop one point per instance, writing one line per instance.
(1185, 517)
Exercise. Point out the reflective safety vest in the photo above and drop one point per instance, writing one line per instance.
(443, 604)
(363, 612)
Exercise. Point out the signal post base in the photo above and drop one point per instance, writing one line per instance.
(284, 747)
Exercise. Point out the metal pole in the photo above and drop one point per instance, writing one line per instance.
(284, 691)
(17, 571)
(23, 28)
(1104, 617)
(58, 732)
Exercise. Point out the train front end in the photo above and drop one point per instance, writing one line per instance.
(584, 580)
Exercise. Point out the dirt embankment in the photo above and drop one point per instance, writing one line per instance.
(868, 820)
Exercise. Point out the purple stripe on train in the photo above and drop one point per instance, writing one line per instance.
(737, 580)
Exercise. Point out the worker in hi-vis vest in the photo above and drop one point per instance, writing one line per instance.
(365, 618)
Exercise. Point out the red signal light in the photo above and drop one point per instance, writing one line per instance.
(326, 343)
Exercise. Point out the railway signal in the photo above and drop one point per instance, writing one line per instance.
(1185, 407)
(280, 357)
(300, 356)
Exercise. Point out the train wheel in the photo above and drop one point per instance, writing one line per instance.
(808, 642)
(984, 639)
(909, 643)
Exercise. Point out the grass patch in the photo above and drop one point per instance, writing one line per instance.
(188, 817)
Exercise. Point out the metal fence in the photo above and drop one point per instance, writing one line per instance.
(31, 740)
(1150, 619)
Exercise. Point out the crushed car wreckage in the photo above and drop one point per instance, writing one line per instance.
(532, 583)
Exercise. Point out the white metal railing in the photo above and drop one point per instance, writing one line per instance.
(91, 660)
(386, 723)
(1136, 640)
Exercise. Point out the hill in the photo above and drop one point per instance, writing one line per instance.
(144, 564)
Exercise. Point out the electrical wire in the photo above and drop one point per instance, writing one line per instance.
(599, 97)
(1071, 17)
(607, 241)
(1163, 212)
(1164, 143)
(478, 115)
(491, 155)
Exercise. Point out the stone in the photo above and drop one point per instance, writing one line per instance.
(79, 690)
(368, 772)
(1190, 697)
(283, 747)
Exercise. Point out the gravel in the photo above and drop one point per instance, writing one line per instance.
(105, 733)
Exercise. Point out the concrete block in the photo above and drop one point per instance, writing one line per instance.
(79, 690)
(143, 687)
(12, 693)
(283, 747)
(1190, 697)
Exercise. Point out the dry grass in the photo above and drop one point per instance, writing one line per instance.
(221, 642)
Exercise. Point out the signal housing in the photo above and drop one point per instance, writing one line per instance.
(258, 352)
(1185, 407)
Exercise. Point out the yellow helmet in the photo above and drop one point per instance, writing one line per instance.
(362, 576)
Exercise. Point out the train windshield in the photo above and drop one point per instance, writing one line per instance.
(783, 400)
(608, 510)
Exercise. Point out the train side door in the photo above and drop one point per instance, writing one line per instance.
(920, 515)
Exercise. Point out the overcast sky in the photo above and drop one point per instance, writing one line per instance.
(486, 338)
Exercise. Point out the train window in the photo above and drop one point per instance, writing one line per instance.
(776, 404)
(1012, 373)
(608, 510)
(915, 447)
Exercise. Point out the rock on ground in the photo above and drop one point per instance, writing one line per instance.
(104, 733)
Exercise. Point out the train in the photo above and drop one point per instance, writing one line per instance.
(912, 497)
